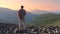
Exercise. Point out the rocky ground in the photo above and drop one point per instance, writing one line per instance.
(13, 29)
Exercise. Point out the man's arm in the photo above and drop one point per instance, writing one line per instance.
(24, 12)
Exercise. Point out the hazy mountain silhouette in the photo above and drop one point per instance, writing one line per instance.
(39, 12)
(57, 12)
(10, 16)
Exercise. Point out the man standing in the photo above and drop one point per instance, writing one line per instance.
(22, 14)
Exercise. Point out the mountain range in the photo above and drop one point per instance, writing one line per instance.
(11, 16)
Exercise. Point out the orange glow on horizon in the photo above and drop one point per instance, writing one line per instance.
(15, 5)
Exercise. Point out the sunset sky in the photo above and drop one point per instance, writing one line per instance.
(49, 5)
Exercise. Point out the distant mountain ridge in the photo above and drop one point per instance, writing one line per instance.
(11, 16)
(8, 15)
(57, 12)
(39, 12)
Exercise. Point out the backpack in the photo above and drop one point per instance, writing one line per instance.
(22, 12)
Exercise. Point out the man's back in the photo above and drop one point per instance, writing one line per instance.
(22, 12)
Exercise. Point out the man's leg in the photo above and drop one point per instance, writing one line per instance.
(20, 22)
(23, 22)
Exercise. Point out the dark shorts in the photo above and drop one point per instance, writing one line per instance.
(22, 17)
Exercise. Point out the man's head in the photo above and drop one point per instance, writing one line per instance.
(22, 7)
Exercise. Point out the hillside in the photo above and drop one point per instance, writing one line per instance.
(46, 19)
(11, 16)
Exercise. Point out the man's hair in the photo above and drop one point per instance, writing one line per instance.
(22, 6)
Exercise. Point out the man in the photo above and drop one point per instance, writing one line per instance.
(22, 14)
